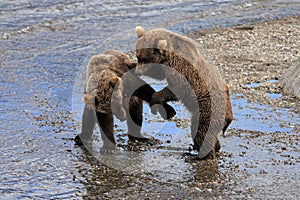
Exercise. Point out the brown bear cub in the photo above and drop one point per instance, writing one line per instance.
(166, 55)
(112, 88)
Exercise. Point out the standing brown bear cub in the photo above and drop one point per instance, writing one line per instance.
(166, 55)
(112, 88)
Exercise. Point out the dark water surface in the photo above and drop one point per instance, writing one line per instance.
(44, 47)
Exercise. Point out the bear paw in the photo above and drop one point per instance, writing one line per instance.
(166, 111)
(169, 110)
(79, 140)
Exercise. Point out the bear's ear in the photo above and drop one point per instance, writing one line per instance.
(139, 31)
(113, 81)
(162, 44)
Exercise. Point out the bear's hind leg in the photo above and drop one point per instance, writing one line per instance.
(106, 124)
(205, 144)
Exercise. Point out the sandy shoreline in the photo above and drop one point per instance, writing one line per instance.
(254, 53)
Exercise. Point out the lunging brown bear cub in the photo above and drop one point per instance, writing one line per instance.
(166, 55)
(113, 88)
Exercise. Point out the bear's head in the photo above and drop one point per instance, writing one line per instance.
(159, 47)
(150, 53)
(120, 60)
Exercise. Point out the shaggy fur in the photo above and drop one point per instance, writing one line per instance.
(166, 55)
(111, 88)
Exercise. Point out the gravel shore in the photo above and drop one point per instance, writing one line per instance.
(254, 53)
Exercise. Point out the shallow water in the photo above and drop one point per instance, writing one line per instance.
(44, 49)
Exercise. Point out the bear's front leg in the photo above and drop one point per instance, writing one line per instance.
(163, 96)
(146, 93)
(88, 125)
(158, 102)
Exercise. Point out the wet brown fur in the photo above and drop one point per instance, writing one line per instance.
(104, 96)
(208, 101)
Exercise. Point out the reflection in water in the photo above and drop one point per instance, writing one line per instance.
(207, 172)
(99, 178)
(105, 181)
